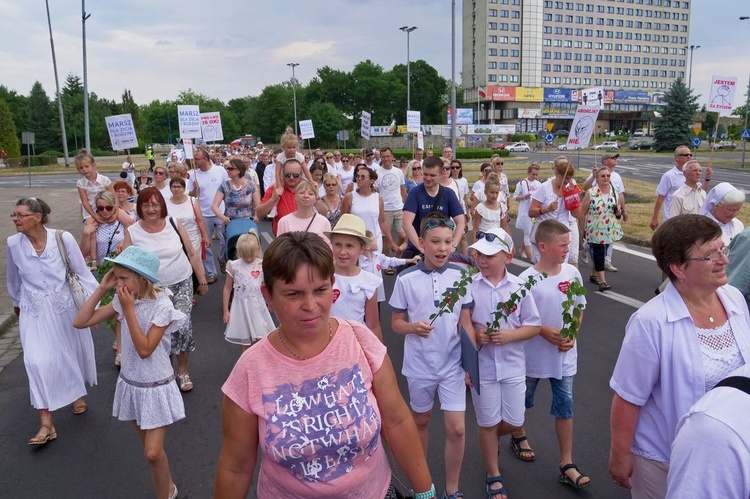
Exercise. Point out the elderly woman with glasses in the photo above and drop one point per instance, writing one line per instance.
(677, 346)
(168, 239)
(59, 359)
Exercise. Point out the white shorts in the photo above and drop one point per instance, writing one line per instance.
(500, 401)
(452, 393)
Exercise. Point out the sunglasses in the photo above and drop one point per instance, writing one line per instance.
(291, 175)
(230, 168)
(415, 168)
(363, 177)
(686, 155)
(446, 168)
(489, 236)
(100, 209)
(344, 160)
(455, 167)
(160, 173)
(337, 155)
(331, 185)
(438, 222)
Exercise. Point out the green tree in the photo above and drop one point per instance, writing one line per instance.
(8, 136)
(158, 117)
(430, 92)
(43, 120)
(272, 111)
(709, 122)
(673, 129)
(18, 105)
(327, 120)
(72, 100)
(128, 105)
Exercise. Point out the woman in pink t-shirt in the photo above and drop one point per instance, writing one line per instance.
(314, 395)
(305, 219)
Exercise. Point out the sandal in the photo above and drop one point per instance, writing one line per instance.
(41, 439)
(527, 455)
(185, 384)
(174, 494)
(604, 286)
(492, 493)
(80, 409)
(594, 280)
(454, 495)
(566, 480)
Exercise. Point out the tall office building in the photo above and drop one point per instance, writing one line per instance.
(532, 58)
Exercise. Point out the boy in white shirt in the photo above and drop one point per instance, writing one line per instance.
(502, 364)
(432, 350)
(549, 355)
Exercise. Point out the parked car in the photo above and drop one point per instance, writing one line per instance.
(724, 144)
(607, 145)
(496, 147)
(640, 145)
(562, 133)
(518, 147)
(564, 147)
(639, 133)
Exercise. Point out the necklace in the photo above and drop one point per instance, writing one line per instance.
(295, 354)
(44, 239)
(711, 315)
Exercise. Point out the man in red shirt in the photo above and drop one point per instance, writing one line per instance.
(281, 197)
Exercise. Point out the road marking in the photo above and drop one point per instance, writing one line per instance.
(621, 298)
(267, 237)
(625, 249)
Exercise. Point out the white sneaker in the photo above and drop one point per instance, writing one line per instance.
(609, 267)
(584, 256)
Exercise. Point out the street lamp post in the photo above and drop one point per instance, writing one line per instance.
(294, 94)
(86, 133)
(453, 76)
(408, 30)
(57, 85)
(747, 108)
(690, 71)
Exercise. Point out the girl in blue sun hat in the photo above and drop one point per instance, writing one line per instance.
(145, 393)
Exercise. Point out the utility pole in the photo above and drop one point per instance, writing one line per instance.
(690, 71)
(294, 94)
(408, 31)
(57, 85)
(453, 78)
(87, 134)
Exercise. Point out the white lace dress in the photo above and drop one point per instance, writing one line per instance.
(59, 358)
(249, 319)
(146, 392)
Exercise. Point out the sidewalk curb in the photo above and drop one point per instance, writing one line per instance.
(6, 322)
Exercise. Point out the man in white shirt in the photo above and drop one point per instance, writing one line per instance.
(392, 188)
(208, 177)
(610, 161)
(419, 156)
(447, 153)
(370, 160)
(376, 156)
(671, 181)
(337, 160)
(689, 197)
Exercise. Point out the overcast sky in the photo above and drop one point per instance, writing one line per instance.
(234, 48)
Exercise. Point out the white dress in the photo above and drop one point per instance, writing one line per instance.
(146, 392)
(185, 213)
(59, 358)
(368, 209)
(249, 319)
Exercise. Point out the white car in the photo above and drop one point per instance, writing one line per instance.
(564, 147)
(519, 147)
(606, 146)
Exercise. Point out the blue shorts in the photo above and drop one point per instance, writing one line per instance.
(562, 396)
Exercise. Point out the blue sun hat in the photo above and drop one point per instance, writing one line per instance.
(139, 260)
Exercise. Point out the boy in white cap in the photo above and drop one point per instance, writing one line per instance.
(499, 405)
(432, 350)
(549, 355)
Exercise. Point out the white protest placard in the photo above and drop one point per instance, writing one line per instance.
(306, 129)
(188, 144)
(582, 127)
(211, 126)
(722, 94)
(420, 140)
(593, 97)
(412, 121)
(365, 128)
(121, 132)
(189, 118)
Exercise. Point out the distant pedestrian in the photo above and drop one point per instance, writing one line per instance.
(145, 392)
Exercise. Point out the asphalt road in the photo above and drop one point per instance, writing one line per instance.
(98, 456)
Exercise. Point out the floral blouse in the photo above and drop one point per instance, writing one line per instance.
(601, 226)
(238, 203)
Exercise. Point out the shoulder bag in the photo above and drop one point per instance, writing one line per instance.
(76, 290)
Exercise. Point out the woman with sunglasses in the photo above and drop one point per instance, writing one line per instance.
(161, 176)
(677, 347)
(346, 172)
(413, 174)
(368, 205)
(329, 205)
(402, 164)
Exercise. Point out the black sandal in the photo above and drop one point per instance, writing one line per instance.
(515, 446)
(565, 479)
(492, 493)
(594, 280)
(604, 287)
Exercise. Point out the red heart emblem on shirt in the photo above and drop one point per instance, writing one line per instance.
(515, 307)
(563, 286)
(336, 294)
(255, 273)
(378, 267)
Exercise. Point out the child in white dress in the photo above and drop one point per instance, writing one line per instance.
(490, 213)
(249, 320)
(146, 393)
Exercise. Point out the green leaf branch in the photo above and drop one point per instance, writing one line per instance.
(504, 309)
(572, 311)
(452, 295)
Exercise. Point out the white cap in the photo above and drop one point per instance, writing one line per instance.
(498, 241)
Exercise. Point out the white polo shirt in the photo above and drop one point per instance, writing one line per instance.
(208, 183)
(668, 184)
(543, 359)
(389, 184)
(418, 292)
(660, 366)
(350, 295)
(502, 362)
(711, 452)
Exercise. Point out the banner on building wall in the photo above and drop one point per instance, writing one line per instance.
(529, 94)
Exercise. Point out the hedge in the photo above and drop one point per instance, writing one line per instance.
(35, 161)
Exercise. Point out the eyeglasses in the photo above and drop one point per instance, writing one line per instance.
(714, 257)
(177, 186)
(291, 175)
(230, 168)
(21, 215)
(363, 177)
(455, 167)
(160, 173)
(685, 155)
(439, 222)
(331, 185)
(100, 209)
(154, 206)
